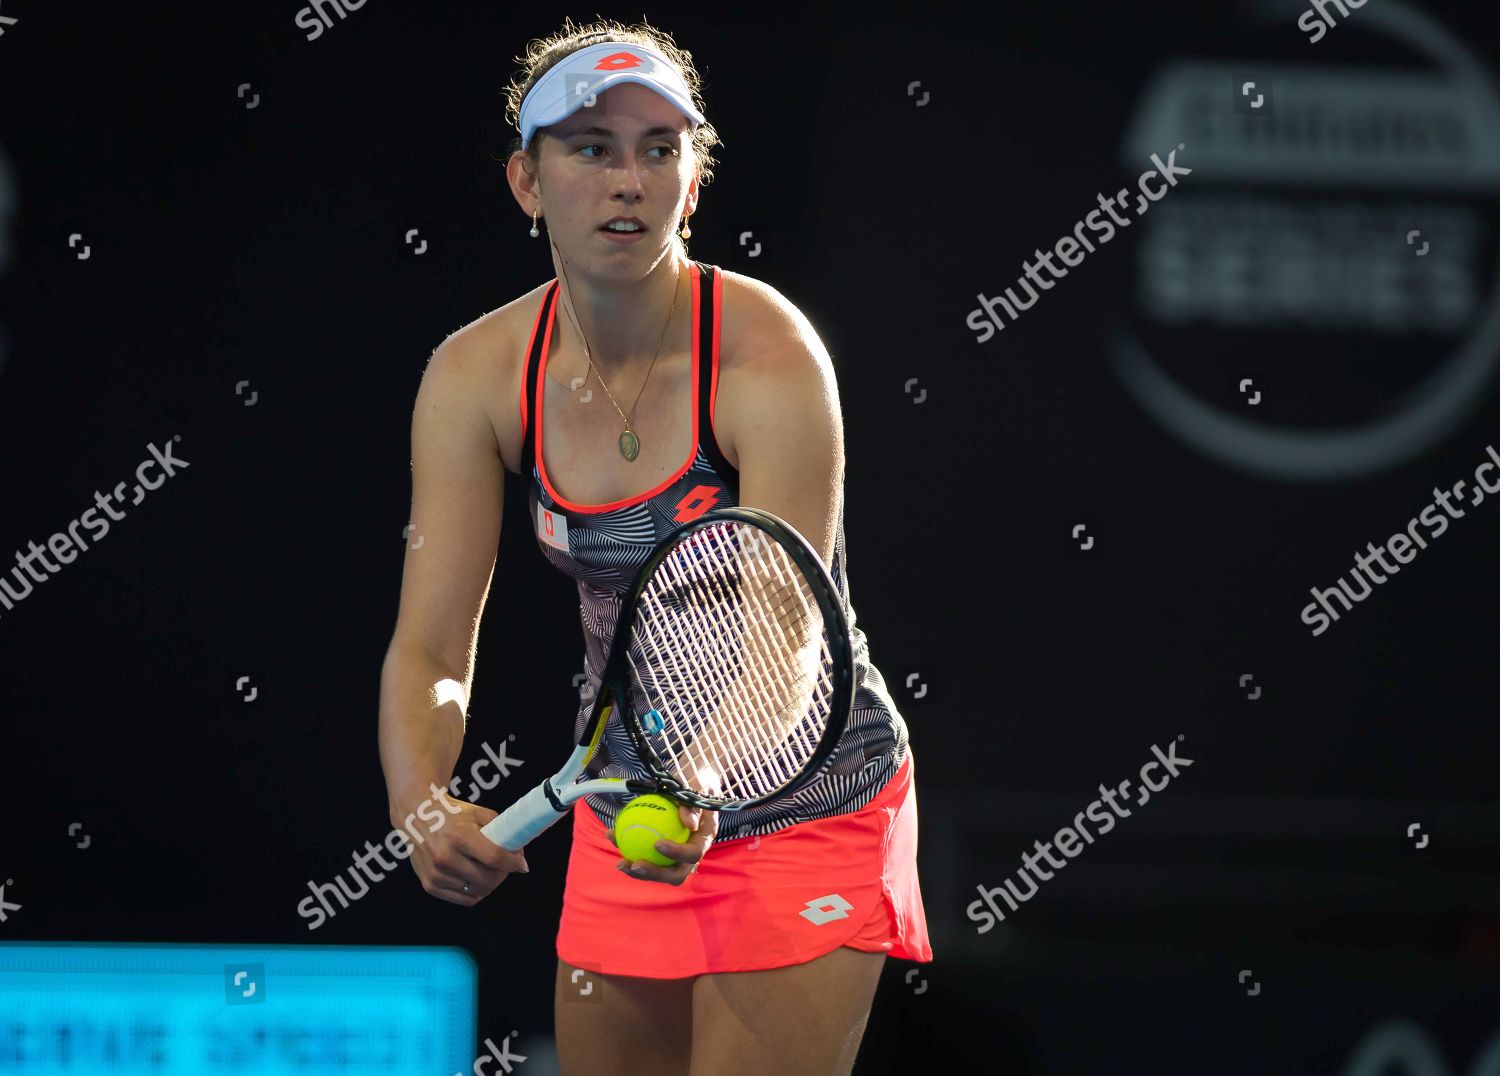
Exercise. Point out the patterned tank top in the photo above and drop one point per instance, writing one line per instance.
(602, 546)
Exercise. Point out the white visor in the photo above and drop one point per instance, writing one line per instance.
(577, 80)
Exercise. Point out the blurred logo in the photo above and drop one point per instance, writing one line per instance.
(1292, 254)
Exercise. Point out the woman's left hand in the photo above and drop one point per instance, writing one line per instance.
(704, 826)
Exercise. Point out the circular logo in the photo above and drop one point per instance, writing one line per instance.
(1322, 298)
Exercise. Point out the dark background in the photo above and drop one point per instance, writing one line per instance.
(267, 245)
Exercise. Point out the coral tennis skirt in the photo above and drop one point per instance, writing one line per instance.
(754, 902)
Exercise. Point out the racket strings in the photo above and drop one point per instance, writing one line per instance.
(782, 669)
(727, 729)
(682, 692)
(690, 680)
(741, 607)
(667, 679)
(782, 662)
(735, 659)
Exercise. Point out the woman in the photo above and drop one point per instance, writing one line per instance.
(633, 392)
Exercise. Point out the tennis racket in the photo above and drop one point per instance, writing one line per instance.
(731, 668)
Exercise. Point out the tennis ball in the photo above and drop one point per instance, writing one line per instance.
(644, 821)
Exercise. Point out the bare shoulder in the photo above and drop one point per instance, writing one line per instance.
(772, 362)
(761, 324)
(481, 363)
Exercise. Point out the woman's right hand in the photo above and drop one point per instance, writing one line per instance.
(455, 853)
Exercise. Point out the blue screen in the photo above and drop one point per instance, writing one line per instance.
(198, 1010)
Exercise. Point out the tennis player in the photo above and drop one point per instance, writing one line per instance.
(632, 393)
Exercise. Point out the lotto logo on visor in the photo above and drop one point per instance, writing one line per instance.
(578, 80)
(584, 82)
(619, 61)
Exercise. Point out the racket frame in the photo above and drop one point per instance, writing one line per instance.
(545, 804)
(836, 628)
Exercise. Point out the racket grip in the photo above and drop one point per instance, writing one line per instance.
(523, 820)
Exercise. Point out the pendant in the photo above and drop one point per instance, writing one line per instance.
(630, 445)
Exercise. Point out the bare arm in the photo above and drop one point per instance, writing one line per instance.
(788, 432)
(788, 427)
(790, 443)
(457, 497)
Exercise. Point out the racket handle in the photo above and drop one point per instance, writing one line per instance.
(523, 820)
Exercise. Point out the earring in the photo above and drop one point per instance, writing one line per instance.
(687, 229)
(534, 231)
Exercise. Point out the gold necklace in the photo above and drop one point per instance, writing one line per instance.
(630, 444)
